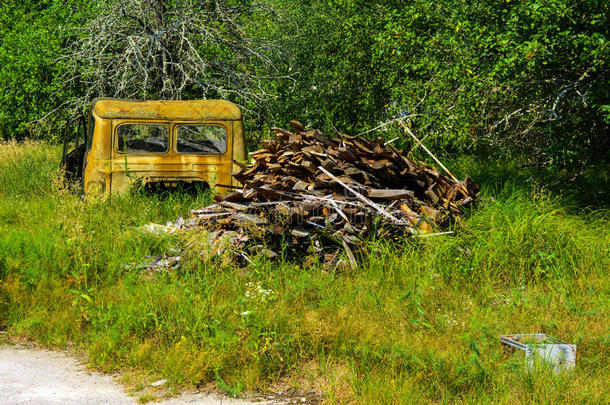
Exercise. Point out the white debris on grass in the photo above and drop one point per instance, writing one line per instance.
(158, 229)
(450, 319)
(542, 349)
(158, 383)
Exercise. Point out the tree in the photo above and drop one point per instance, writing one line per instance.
(29, 78)
(165, 49)
(531, 76)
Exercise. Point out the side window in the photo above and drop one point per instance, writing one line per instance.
(142, 138)
(210, 139)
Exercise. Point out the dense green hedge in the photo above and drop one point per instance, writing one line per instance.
(32, 33)
(463, 67)
(496, 76)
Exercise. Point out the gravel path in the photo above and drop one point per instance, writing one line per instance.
(42, 377)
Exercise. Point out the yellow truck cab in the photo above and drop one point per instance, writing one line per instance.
(160, 142)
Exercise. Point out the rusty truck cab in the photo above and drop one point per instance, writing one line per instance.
(166, 142)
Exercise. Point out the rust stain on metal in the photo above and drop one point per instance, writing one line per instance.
(109, 169)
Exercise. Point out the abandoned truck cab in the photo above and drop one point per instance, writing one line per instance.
(161, 142)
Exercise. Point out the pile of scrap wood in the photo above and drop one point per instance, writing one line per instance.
(309, 193)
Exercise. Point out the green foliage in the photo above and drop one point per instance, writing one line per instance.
(417, 322)
(31, 81)
(516, 75)
(336, 81)
(496, 76)
(27, 168)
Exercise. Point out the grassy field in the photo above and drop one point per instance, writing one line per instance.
(418, 322)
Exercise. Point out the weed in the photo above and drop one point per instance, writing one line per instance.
(146, 398)
(418, 322)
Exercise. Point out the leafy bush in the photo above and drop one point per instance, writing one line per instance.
(526, 76)
(418, 321)
(32, 82)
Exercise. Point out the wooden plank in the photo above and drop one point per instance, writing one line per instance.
(389, 194)
(362, 198)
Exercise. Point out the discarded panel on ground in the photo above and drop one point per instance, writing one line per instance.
(541, 348)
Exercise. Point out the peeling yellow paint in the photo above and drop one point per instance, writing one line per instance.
(108, 171)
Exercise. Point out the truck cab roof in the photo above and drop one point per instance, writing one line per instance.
(184, 110)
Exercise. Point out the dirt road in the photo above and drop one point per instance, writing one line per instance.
(41, 377)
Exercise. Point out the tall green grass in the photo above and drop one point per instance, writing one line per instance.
(28, 168)
(419, 321)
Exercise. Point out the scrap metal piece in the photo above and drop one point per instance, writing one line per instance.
(542, 348)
